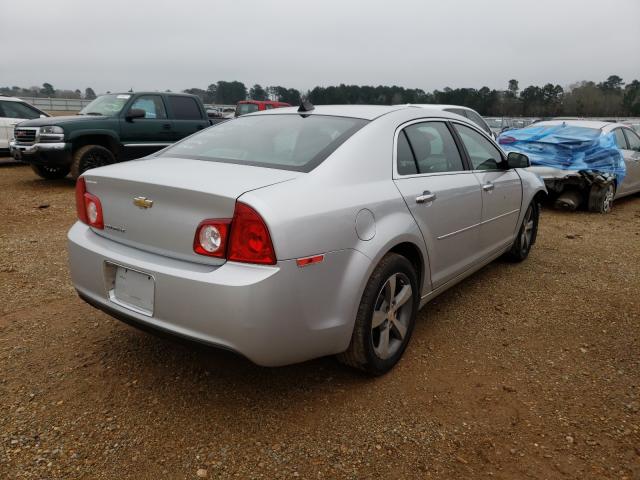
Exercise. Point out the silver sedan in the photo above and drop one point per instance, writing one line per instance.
(298, 233)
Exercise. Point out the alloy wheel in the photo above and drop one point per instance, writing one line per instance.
(391, 316)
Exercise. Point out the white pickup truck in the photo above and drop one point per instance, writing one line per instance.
(13, 111)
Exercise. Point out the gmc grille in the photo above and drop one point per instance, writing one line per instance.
(25, 135)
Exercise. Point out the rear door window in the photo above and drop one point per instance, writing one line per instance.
(184, 108)
(433, 148)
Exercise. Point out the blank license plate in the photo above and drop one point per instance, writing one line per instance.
(133, 290)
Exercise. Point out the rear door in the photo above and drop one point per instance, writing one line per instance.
(142, 136)
(632, 160)
(442, 196)
(501, 190)
(186, 116)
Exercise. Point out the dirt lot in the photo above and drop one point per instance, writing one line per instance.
(522, 371)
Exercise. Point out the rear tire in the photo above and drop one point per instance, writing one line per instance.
(50, 172)
(526, 235)
(385, 318)
(601, 197)
(90, 156)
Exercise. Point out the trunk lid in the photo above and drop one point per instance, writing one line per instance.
(178, 195)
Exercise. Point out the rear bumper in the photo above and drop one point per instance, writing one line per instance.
(273, 315)
(58, 153)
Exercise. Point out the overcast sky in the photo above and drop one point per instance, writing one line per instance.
(159, 44)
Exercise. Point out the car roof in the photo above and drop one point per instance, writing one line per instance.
(10, 99)
(438, 106)
(595, 124)
(365, 112)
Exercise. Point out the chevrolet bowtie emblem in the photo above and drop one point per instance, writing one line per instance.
(143, 202)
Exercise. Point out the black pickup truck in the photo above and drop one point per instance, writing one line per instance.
(112, 128)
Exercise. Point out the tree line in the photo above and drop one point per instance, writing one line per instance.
(611, 97)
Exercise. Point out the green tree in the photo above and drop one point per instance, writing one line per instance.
(47, 90)
(89, 94)
(228, 93)
(512, 89)
(257, 93)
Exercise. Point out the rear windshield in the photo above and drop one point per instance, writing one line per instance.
(244, 108)
(287, 142)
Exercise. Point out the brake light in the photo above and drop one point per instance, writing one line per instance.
(81, 189)
(88, 206)
(244, 238)
(249, 240)
(211, 238)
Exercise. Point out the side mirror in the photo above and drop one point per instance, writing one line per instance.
(517, 160)
(135, 113)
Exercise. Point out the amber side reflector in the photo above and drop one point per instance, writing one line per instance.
(303, 262)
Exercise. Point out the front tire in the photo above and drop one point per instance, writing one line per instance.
(90, 156)
(385, 318)
(526, 235)
(50, 172)
(601, 197)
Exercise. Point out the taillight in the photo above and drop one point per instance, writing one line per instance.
(245, 238)
(211, 238)
(249, 240)
(88, 206)
(81, 189)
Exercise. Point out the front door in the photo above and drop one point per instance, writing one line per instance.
(442, 196)
(501, 191)
(142, 136)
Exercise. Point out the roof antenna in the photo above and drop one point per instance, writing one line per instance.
(305, 106)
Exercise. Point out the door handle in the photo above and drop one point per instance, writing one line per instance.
(488, 187)
(426, 197)
(166, 126)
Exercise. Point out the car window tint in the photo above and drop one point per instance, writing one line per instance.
(620, 140)
(152, 106)
(482, 153)
(406, 161)
(184, 108)
(633, 140)
(19, 110)
(434, 148)
(477, 119)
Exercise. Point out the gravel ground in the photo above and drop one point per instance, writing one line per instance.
(522, 371)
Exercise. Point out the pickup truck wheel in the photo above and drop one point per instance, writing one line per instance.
(526, 235)
(90, 156)
(50, 172)
(601, 197)
(385, 318)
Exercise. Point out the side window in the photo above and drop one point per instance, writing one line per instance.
(483, 155)
(620, 140)
(633, 140)
(434, 148)
(184, 108)
(19, 110)
(268, 106)
(152, 106)
(477, 119)
(406, 161)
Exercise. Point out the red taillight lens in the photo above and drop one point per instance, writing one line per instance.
(249, 240)
(88, 206)
(81, 189)
(211, 238)
(245, 238)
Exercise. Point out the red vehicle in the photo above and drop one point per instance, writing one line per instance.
(250, 106)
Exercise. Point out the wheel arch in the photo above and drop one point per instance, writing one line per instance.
(104, 139)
